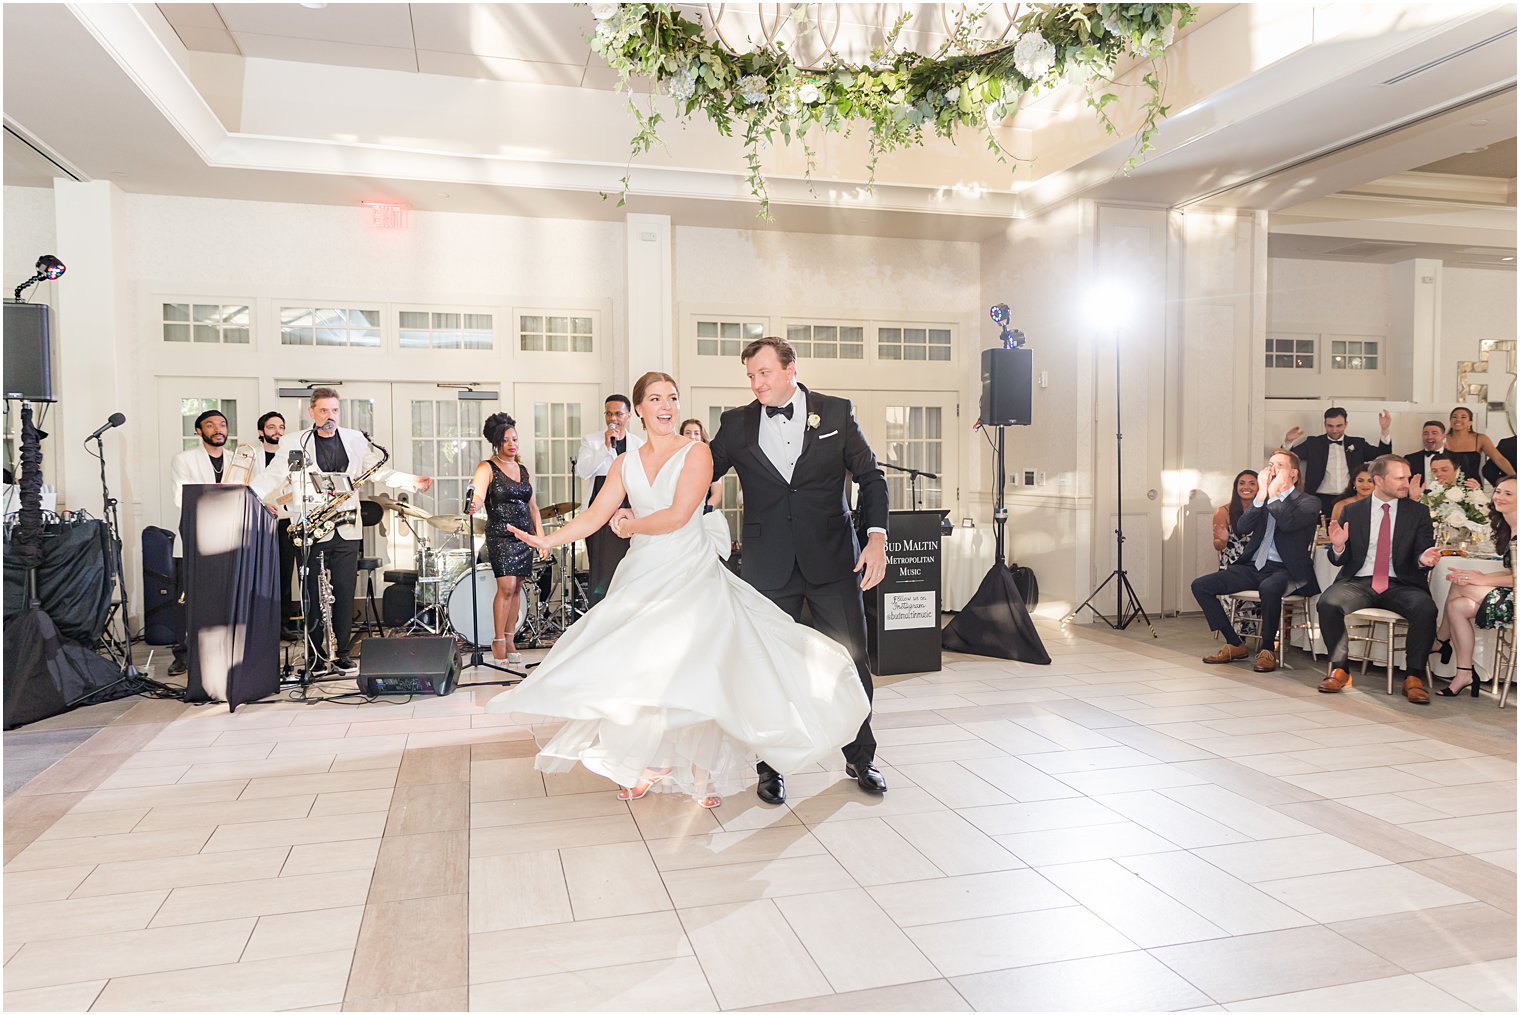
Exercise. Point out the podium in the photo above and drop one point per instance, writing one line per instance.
(230, 580)
(902, 613)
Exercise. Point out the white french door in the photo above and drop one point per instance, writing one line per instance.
(440, 435)
(914, 430)
(551, 418)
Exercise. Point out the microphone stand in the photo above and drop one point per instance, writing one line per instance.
(476, 658)
(913, 477)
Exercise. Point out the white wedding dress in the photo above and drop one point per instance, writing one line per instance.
(684, 666)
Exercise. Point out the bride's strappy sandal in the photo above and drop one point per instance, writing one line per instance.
(634, 793)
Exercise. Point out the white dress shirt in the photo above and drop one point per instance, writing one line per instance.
(1337, 475)
(781, 438)
(1267, 551)
(1370, 563)
(594, 459)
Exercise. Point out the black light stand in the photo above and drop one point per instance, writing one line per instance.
(476, 658)
(914, 475)
(1126, 601)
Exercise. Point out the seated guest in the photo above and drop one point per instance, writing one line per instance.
(1433, 439)
(1360, 489)
(1491, 470)
(1446, 469)
(1279, 526)
(1471, 448)
(1330, 460)
(1482, 598)
(1228, 541)
(1385, 547)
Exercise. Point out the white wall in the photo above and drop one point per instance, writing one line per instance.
(1477, 304)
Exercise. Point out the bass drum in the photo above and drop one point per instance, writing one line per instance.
(473, 622)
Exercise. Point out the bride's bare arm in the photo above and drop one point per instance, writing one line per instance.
(691, 490)
(589, 520)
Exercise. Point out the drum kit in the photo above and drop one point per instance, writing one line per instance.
(454, 593)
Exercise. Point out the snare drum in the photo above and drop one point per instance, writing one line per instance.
(469, 607)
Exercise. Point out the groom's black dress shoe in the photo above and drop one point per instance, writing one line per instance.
(771, 789)
(870, 780)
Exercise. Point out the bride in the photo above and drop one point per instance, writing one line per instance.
(684, 674)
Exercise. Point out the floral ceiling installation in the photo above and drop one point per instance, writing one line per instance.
(970, 82)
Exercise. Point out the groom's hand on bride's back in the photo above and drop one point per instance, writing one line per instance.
(872, 565)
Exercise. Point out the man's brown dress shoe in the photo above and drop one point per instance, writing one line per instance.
(1338, 680)
(1414, 690)
(1266, 662)
(1228, 654)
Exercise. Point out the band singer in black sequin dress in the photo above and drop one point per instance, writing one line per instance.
(502, 483)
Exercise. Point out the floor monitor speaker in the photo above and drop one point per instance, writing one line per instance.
(407, 666)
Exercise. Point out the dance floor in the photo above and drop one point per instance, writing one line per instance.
(1124, 829)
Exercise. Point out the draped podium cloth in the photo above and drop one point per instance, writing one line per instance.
(996, 623)
(232, 595)
(685, 666)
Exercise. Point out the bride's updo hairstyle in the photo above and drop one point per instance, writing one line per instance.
(496, 426)
(641, 387)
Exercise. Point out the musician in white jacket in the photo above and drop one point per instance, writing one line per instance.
(204, 464)
(327, 447)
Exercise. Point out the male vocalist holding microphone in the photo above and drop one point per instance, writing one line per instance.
(327, 447)
(605, 549)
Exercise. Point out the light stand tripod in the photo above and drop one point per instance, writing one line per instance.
(1126, 601)
(476, 658)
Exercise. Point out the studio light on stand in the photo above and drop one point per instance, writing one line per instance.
(1116, 305)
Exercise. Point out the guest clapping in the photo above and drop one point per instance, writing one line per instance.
(1228, 541)
(1482, 598)
(1330, 460)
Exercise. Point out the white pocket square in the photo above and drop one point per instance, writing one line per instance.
(831, 433)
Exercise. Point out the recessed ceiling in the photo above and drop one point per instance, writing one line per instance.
(1496, 160)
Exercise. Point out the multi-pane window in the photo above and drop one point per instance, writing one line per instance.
(827, 341)
(915, 440)
(447, 445)
(1353, 354)
(1290, 353)
(189, 408)
(726, 338)
(554, 333)
(330, 326)
(731, 507)
(423, 329)
(913, 343)
(206, 323)
(556, 438)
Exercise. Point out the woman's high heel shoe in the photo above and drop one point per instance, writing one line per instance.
(497, 658)
(1447, 692)
(635, 792)
(1444, 647)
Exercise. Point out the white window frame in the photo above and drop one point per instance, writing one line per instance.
(433, 330)
(221, 327)
(378, 309)
(546, 313)
(866, 355)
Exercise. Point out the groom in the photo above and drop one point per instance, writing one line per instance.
(793, 450)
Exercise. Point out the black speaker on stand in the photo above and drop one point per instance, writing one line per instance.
(996, 622)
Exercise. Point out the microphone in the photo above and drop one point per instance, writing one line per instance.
(116, 420)
(328, 427)
(469, 498)
(297, 461)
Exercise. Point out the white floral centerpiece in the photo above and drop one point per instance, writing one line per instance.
(1457, 511)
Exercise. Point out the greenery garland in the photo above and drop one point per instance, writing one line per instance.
(765, 94)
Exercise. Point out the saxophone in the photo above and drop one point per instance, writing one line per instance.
(325, 601)
(340, 509)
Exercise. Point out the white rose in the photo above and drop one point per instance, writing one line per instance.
(1454, 516)
(1477, 498)
(953, 95)
(603, 11)
(809, 93)
(1456, 495)
(1034, 55)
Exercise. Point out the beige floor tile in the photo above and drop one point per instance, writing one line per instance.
(1464, 801)
(218, 754)
(517, 890)
(268, 985)
(1220, 898)
(1360, 781)
(127, 953)
(1304, 725)
(159, 796)
(327, 782)
(569, 947)
(295, 831)
(874, 853)
(1129, 780)
(1064, 733)
(269, 768)
(1475, 833)
(307, 933)
(1462, 771)
(263, 898)
(1235, 811)
(1394, 993)
(1124, 838)
(1505, 858)
(1019, 779)
(123, 877)
(1241, 744)
(493, 813)
(1017, 939)
(952, 843)
(855, 944)
(955, 786)
(1302, 856)
(75, 773)
(1353, 894)
(725, 937)
(27, 817)
(1171, 820)
(371, 713)
(232, 812)
(926, 995)
(1436, 938)
(72, 918)
(421, 866)
(577, 780)
(1279, 962)
(498, 750)
(66, 997)
(743, 882)
(388, 960)
(330, 857)
(501, 839)
(1095, 759)
(665, 815)
(128, 778)
(969, 897)
(926, 754)
(356, 801)
(1011, 737)
(1129, 981)
(1470, 875)
(353, 747)
(505, 779)
(1155, 715)
(1138, 910)
(431, 807)
(1237, 778)
(1392, 842)
(853, 804)
(1275, 764)
(415, 724)
(79, 824)
(1392, 807)
(1040, 815)
(442, 999)
(1487, 986)
(108, 848)
(666, 985)
(48, 884)
(617, 879)
(747, 846)
(936, 734)
(429, 765)
(1339, 759)
(745, 811)
(368, 761)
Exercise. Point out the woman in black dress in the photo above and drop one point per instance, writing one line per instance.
(502, 483)
(1471, 448)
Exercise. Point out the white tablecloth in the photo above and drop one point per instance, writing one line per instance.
(966, 557)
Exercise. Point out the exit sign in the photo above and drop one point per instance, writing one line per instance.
(385, 215)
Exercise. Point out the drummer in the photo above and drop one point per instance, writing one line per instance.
(502, 483)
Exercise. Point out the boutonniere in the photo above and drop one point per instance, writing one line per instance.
(1350, 447)
(813, 420)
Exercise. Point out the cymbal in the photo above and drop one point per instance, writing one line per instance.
(401, 507)
(453, 523)
(559, 510)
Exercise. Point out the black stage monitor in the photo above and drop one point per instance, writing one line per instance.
(1007, 376)
(28, 352)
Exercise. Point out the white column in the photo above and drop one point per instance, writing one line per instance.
(651, 331)
(1414, 330)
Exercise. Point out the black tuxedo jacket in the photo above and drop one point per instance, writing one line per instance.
(1506, 447)
(1419, 460)
(1297, 516)
(1412, 536)
(1314, 451)
(805, 523)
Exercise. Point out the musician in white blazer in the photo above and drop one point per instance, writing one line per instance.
(271, 433)
(203, 464)
(604, 549)
(327, 447)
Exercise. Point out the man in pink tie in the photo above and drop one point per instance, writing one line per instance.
(1385, 547)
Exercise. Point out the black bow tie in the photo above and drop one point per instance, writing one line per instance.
(784, 410)
(1335, 440)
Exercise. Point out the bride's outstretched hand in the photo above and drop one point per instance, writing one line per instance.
(535, 541)
(620, 522)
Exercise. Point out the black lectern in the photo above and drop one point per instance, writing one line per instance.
(232, 595)
(902, 613)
